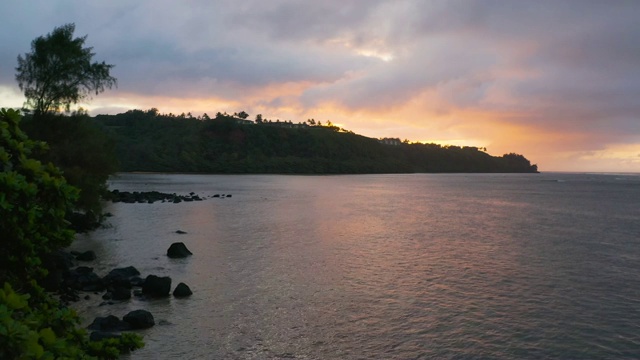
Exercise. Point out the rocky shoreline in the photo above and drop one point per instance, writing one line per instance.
(151, 197)
(73, 281)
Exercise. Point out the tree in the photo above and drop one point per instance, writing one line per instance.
(58, 71)
(85, 152)
(243, 115)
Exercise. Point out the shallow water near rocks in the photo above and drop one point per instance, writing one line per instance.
(383, 266)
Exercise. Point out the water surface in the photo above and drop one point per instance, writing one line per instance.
(384, 266)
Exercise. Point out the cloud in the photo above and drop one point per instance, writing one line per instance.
(561, 75)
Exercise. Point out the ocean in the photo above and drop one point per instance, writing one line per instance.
(414, 266)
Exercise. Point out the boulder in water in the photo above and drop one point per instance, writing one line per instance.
(178, 250)
(139, 319)
(83, 278)
(121, 276)
(182, 290)
(118, 293)
(109, 323)
(156, 286)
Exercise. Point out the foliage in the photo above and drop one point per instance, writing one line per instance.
(148, 141)
(36, 327)
(112, 348)
(38, 332)
(82, 150)
(58, 71)
(34, 199)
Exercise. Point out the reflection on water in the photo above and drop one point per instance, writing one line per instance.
(385, 266)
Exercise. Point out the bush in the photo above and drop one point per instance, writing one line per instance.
(34, 199)
(36, 327)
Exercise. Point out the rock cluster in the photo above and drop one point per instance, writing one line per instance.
(107, 326)
(149, 197)
(118, 285)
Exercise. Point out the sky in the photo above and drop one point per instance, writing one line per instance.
(557, 81)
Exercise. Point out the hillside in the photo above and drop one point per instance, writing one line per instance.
(148, 141)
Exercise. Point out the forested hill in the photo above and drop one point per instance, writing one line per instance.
(148, 141)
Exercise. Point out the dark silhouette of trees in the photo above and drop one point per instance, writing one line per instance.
(223, 145)
(58, 71)
(84, 151)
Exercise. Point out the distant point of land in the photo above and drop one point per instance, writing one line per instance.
(151, 142)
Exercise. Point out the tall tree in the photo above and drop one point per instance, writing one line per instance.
(58, 71)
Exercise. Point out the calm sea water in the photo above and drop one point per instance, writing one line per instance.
(384, 266)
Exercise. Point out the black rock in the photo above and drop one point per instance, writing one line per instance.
(156, 286)
(109, 323)
(89, 255)
(139, 319)
(178, 250)
(128, 271)
(121, 276)
(83, 278)
(120, 293)
(182, 290)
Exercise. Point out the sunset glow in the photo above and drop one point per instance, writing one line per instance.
(541, 79)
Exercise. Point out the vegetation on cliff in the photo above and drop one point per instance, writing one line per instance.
(149, 141)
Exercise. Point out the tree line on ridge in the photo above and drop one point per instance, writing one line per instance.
(149, 141)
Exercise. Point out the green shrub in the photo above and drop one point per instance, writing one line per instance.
(36, 327)
(34, 199)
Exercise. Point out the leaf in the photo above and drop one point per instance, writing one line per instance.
(15, 301)
(47, 336)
